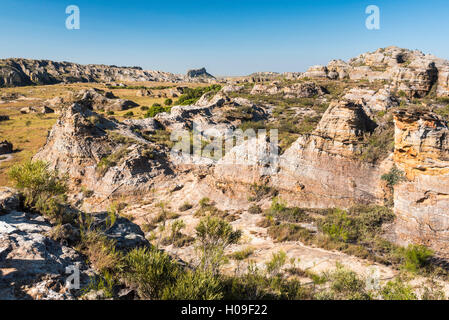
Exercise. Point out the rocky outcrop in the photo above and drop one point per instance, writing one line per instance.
(372, 101)
(296, 90)
(199, 74)
(41, 110)
(421, 201)
(21, 72)
(9, 200)
(98, 100)
(33, 266)
(5, 147)
(318, 170)
(218, 112)
(412, 72)
(102, 155)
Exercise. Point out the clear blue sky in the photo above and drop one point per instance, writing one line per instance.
(228, 37)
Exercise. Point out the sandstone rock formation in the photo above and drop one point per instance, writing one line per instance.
(373, 101)
(96, 100)
(421, 201)
(412, 72)
(318, 170)
(296, 90)
(102, 155)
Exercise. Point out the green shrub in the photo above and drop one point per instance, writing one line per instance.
(339, 226)
(274, 266)
(186, 206)
(289, 232)
(150, 271)
(397, 290)
(242, 254)
(43, 189)
(344, 285)
(255, 209)
(129, 114)
(416, 257)
(155, 109)
(100, 251)
(168, 102)
(281, 212)
(192, 95)
(214, 235)
(393, 177)
(194, 285)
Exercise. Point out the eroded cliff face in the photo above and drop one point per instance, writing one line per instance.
(319, 170)
(421, 202)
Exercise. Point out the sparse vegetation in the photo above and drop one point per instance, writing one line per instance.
(192, 95)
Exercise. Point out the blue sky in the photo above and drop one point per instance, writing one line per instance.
(228, 37)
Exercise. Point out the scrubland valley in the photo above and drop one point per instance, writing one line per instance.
(354, 208)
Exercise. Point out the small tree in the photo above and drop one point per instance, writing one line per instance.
(214, 235)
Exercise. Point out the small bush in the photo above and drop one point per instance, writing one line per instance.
(43, 189)
(155, 109)
(242, 254)
(416, 257)
(150, 271)
(129, 114)
(344, 285)
(168, 102)
(339, 227)
(192, 95)
(255, 209)
(186, 206)
(289, 232)
(100, 252)
(393, 177)
(397, 290)
(214, 235)
(194, 285)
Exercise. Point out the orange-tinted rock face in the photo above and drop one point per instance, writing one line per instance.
(422, 202)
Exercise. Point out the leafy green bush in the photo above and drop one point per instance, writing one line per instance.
(194, 285)
(214, 235)
(398, 290)
(344, 285)
(339, 226)
(281, 212)
(185, 206)
(192, 95)
(416, 257)
(393, 177)
(100, 251)
(168, 102)
(255, 209)
(150, 271)
(155, 109)
(289, 232)
(43, 189)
